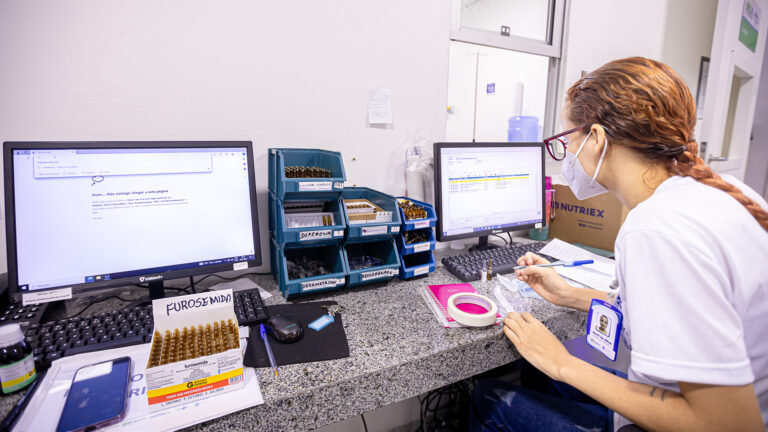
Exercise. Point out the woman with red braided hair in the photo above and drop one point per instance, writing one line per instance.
(691, 267)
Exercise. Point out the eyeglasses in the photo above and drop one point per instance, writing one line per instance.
(557, 144)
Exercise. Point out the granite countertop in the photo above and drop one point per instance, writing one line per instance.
(397, 350)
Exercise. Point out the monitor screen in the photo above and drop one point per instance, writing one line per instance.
(487, 188)
(94, 215)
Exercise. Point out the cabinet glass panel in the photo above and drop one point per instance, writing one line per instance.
(525, 18)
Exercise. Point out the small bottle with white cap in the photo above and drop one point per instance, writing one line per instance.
(17, 364)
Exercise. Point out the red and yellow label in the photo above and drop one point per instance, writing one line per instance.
(190, 388)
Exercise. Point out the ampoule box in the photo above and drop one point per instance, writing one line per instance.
(193, 375)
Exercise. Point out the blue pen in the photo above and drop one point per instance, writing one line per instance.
(557, 263)
(263, 333)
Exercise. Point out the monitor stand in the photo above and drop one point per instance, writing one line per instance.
(483, 244)
(156, 291)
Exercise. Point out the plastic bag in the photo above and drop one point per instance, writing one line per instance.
(418, 168)
(509, 296)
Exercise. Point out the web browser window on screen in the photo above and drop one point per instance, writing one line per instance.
(490, 188)
(86, 212)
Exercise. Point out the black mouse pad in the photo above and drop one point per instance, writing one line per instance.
(327, 344)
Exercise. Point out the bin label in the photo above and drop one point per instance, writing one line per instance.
(315, 186)
(375, 274)
(395, 229)
(421, 247)
(376, 230)
(315, 235)
(320, 284)
(418, 271)
(338, 185)
(422, 224)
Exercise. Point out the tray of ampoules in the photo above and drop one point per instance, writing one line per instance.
(195, 349)
(193, 342)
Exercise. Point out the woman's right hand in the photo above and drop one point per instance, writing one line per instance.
(543, 280)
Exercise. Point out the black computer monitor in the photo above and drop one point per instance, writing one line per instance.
(488, 188)
(85, 216)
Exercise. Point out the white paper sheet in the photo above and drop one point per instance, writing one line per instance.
(599, 275)
(379, 106)
(51, 395)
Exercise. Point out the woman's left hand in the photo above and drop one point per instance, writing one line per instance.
(536, 343)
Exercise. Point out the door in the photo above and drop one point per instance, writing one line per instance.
(738, 46)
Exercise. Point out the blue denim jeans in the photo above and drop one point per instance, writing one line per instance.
(540, 404)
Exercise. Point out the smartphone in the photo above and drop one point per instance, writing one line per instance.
(98, 396)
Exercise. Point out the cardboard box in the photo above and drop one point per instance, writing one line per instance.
(200, 377)
(593, 222)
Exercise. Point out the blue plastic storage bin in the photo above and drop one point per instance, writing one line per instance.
(413, 224)
(331, 234)
(332, 255)
(273, 261)
(384, 250)
(365, 232)
(408, 249)
(273, 202)
(417, 264)
(279, 158)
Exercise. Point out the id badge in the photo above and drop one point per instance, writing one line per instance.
(604, 328)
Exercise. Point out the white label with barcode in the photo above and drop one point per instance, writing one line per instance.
(46, 296)
(315, 186)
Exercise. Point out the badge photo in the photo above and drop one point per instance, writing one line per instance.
(604, 328)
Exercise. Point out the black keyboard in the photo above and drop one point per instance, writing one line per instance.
(467, 266)
(23, 315)
(131, 326)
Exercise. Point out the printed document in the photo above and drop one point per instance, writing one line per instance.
(598, 275)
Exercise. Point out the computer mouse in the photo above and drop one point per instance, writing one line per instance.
(284, 328)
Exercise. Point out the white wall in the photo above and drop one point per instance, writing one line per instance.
(756, 174)
(107, 70)
(676, 32)
(282, 74)
(689, 27)
(598, 31)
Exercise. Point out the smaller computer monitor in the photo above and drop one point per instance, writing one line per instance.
(488, 188)
(87, 216)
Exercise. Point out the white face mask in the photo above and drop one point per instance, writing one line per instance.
(581, 184)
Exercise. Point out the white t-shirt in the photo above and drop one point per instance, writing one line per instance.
(692, 266)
